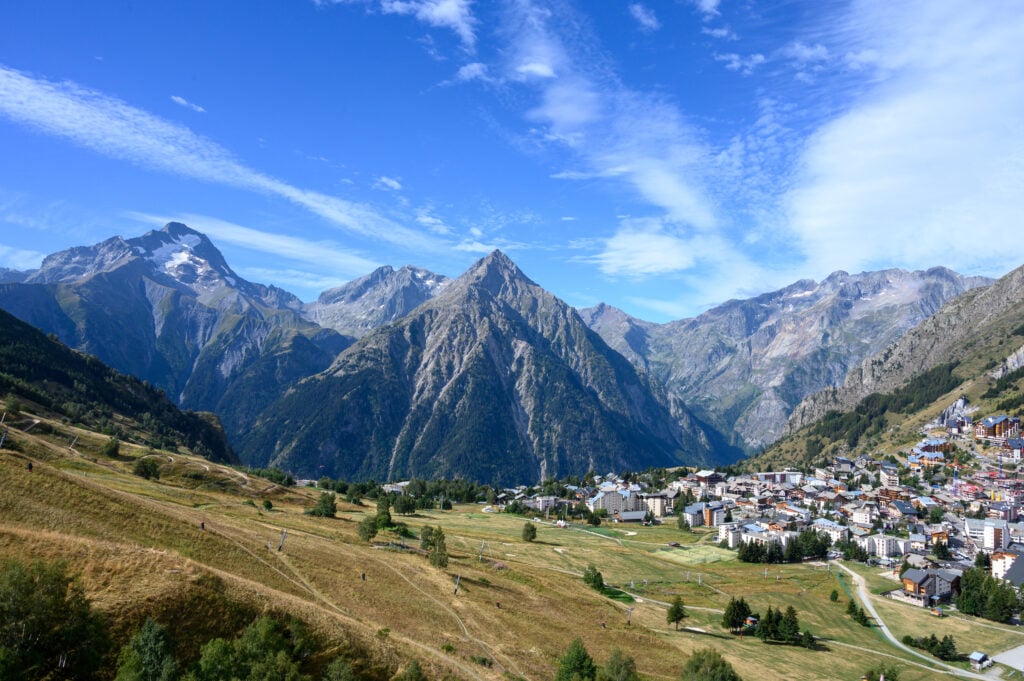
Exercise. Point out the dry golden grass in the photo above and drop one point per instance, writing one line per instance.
(140, 550)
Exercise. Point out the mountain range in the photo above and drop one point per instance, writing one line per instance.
(488, 376)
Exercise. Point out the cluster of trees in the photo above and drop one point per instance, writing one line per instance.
(808, 544)
(49, 630)
(369, 526)
(593, 578)
(48, 627)
(944, 648)
(433, 542)
(326, 506)
(275, 475)
(736, 614)
(784, 628)
(858, 614)
(983, 595)
(706, 664)
(851, 550)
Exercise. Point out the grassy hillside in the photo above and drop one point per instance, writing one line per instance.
(140, 550)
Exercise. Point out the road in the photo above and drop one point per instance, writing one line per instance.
(865, 598)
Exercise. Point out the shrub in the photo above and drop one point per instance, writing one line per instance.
(146, 468)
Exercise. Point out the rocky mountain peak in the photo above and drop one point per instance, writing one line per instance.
(81, 262)
(380, 297)
(185, 255)
(496, 274)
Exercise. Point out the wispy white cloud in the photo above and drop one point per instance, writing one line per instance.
(425, 216)
(638, 139)
(473, 71)
(295, 279)
(708, 8)
(478, 245)
(644, 248)
(113, 128)
(803, 53)
(323, 255)
(644, 16)
(20, 258)
(722, 33)
(535, 68)
(743, 64)
(452, 14)
(926, 163)
(181, 101)
(387, 183)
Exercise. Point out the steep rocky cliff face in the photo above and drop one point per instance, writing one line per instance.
(165, 307)
(494, 379)
(379, 298)
(964, 324)
(744, 366)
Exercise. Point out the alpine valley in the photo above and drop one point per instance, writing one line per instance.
(487, 376)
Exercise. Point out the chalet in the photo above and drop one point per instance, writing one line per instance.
(630, 516)
(918, 542)
(707, 477)
(929, 587)
(934, 445)
(959, 426)
(1015, 574)
(901, 509)
(997, 429)
(842, 466)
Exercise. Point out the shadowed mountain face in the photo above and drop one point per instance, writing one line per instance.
(745, 365)
(166, 308)
(46, 372)
(494, 379)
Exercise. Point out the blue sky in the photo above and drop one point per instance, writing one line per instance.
(662, 157)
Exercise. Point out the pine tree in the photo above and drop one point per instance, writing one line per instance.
(676, 612)
(529, 531)
(576, 664)
(789, 627)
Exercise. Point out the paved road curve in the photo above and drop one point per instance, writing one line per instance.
(865, 597)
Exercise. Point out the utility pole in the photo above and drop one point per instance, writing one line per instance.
(284, 533)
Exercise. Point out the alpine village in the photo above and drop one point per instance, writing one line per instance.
(416, 477)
